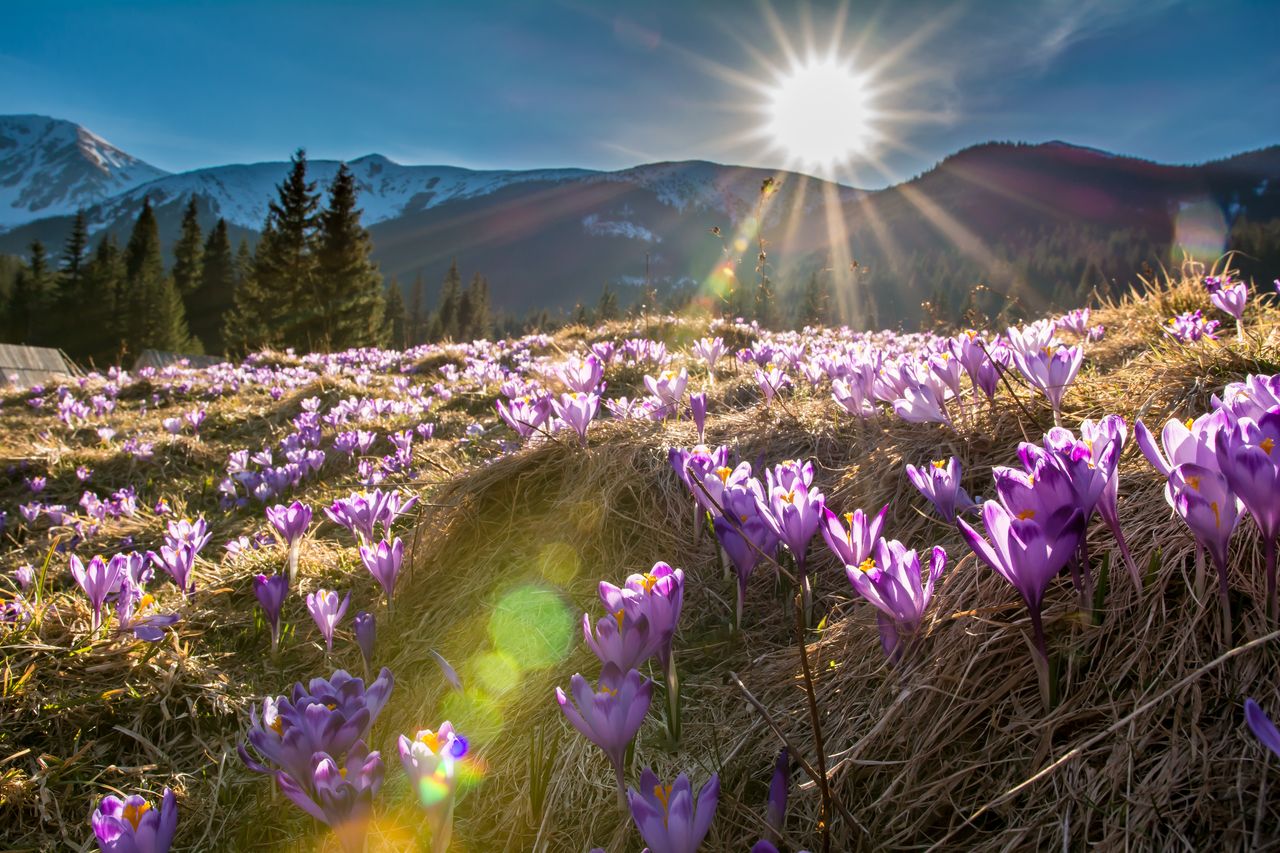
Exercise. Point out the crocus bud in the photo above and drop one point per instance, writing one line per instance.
(366, 636)
(698, 407)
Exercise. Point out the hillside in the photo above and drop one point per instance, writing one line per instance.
(1039, 226)
(1139, 744)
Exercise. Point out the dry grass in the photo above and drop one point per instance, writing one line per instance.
(507, 556)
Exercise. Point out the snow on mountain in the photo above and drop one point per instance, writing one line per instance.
(51, 167)
(241, 193)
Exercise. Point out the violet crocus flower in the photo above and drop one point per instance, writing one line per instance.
(290, 524)
(24, 576)
(1249, 459)
(658, 594)
(577, 410)
(133, 614)
(891, 580)
(525, 414)
(1204, 500)
(853, 538)
(775, 814)
(621, 639)
(668, 386)
(99, 579)
(430, 761)
(610, 715)
(745, 537)
(1105, 440)
(1261, 726)
(325, 715)
(131, 825)
(670, 818)
(1231, 298)
(271, 592)
(581, 375)
(339, 797)
(366, 638)
(1050, 370)
(710, 350)
(384, 561)
(794, 513)
(698, 411)
(178, 559)
(939, 481)
(327, 610)
(1027, 551)
(1191, 326)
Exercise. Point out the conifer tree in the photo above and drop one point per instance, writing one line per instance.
(607, 307)
(104, 303)
(815, 308)
(244, 260)
(249, 324)
(450, 303)
(284, 264)
(462, 323)
(347, 305)
(188, 252)
(396, 321)
(209, 302)
(156, 318)
(480, 320)
(417, 301)
(71, 282)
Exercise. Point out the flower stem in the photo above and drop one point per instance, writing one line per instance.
(673, 699)
(1226, 602)
(1269, 555)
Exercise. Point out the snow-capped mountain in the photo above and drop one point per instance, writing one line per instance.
(51, 167)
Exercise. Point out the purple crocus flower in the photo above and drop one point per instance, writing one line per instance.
(325, 715)
(779, 787)
(1204, 500)
(383, 562)
(1249, 459)
(1261, 726)
(339, 797)
(582, 375)
(668, 386)
(24, 576)
(890, 580)
(577, 410)
(290, 523)
(1050, 370)
(1105, 440)
(1190, 441)
(621, 638)
(327, 612)
(1231, 298)
(611, 715)
(670, 818)
(178, 559)
(99, 579)
(430, 761)
(525, 415)
(1027, 551)
(658, 594)
(698, 410)
(271, 592)
(366, 638)
(939, 481)
(131, 825)
(1191, 326)
(745, 537)
(852, 539)
(794, 513)
(133, 614)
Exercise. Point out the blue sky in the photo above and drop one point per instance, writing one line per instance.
(514, 84)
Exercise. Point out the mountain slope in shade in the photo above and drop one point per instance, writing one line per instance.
(51, 167)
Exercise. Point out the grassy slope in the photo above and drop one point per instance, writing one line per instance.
(913, 751)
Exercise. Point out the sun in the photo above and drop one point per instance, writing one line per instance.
(821, 113)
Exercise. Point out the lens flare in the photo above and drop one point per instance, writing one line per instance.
(820, 113)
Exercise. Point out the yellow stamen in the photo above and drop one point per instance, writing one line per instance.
(1268, 444)
(619, 616)
(663, 793)
(133, 813)
(1217, 516)
(867, 565)
(789, 497)
(723, 473)
(939, 464)
(1194, 482)
(604, 688)
(648, 581)
(431, 740)
(277, 726)
(146, 601)
(1026, 514)
(1189, 423)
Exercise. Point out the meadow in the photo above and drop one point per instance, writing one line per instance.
(1007, 588)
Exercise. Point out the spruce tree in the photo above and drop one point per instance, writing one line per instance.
(40, 289)
(466, 305)
(815, 308)
(71, 282)
(210, 300)
(249, 324)
(481, 319)
(156, 318)
(284, 264)
(607, 307)
(417, 301)
(104, 304)
(450, 303)
(20, 309)
(348, 306)
(396, 320)
(188, 252)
